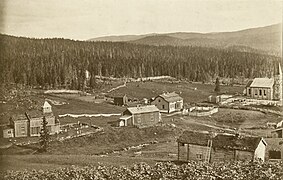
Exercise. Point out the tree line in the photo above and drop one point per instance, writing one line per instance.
(63, 62)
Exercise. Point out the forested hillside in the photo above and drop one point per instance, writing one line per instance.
(261, 39)
(57, 62)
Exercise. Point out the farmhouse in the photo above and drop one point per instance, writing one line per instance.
(168, 102)
(140, 116)
(120, 100)
(198, 146)
(30, 124)
(266, 88)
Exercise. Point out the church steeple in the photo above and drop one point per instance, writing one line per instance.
(278, 94)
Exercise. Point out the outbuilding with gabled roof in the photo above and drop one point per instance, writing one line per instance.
(210, 147)
(140, 116)
(168, 102)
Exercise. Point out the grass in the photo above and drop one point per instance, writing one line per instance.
(29, 162)
(191, 92)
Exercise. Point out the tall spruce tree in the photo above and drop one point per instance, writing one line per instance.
(44, 136)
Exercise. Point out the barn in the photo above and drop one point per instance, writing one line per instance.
(208, 147)
(168, 102)
(140, 116)
(120, 100)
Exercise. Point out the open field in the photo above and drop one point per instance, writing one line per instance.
(191, 92)
(124, 146)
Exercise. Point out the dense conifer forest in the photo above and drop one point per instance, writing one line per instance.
(63, 62)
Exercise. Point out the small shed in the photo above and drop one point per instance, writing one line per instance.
(140, 116)
(120, 100)
(7, 131)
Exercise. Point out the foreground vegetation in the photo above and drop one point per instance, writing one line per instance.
(168, 170)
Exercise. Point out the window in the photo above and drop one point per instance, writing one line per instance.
(249, 91)
(23, 130)
(9, 132)
(260, 92)
(139, 118)
(255, 91)
(199, 156)
(151, 117)
(163, 106)
(264, 92)
(35, 130)
(182, 144)
(158, 100)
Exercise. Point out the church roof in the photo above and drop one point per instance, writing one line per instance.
(262, 82)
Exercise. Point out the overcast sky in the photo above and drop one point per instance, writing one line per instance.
(85, 19)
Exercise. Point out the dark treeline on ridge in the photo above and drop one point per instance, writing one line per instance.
(61, 62)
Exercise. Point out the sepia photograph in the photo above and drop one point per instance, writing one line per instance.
(141, 90)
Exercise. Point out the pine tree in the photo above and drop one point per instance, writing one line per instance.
(44, 136)
(217, 85)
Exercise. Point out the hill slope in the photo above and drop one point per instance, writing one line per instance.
(262, 39)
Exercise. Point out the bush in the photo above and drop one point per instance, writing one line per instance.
(191, 170)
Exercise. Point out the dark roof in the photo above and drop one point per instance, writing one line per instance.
(274, 144)
(220, 141)
(192, 137)
(119, 95)
(249, 83)
(171, 97)
(245, 143)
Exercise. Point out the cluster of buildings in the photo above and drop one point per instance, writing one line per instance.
(148, 115)
(204, 146)
(30, 124)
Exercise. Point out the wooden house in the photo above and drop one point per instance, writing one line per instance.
(261, 88)
(140, 116)
(266, 88)
(168, 102)
(198, 146)
(120, 100)
(236, 147)
(30, 124)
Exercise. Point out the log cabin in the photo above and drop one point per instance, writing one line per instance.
(208, 147)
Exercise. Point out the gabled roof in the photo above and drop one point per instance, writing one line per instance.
(262, 82)
(143, 109)
(280, 124)
(233, 142)
(171, 97)
(196, 138)
(46, 105)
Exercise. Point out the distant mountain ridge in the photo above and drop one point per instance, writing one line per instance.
(262, 39)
